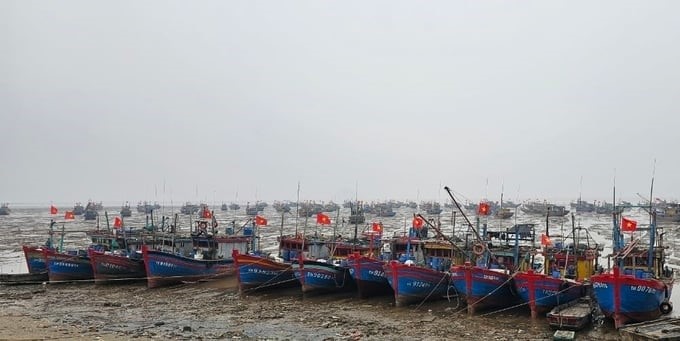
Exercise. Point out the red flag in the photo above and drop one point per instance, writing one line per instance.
(545, 240)
(53, 209)
(69, 215)
(628, 225)
(377, 227)
(323, 219)
(260, 221)
(483, 208)
(206, 214)
(418, 223)
(117, 222)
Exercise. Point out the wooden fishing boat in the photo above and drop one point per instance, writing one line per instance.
(419, 270)
(319, 276)
(488, 283)
(638, 287)
(559, 272)
(118, 266)
(369, 275)
(35, 259)
(210, 257)
(68, 266)
(125, 210)
(4, 209)
(667, 328)
(574, 315)
(258, 272)
(23, 278)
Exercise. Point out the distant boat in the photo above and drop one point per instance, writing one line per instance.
(145, 207)
(125, 211)
(189, 208)
(78, 209)
(234, 206)
(543, 208)
(90, 211)
(357, 214)
(4, 209)
(224, 207)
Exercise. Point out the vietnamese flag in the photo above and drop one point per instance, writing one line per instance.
(53, 209)
(117, 222)
(260, 221)
(483, 208)
(418, 223)
(69, 215)
(628, 225)
(323, 219)
(377, 227)
(545, 240)
(206, 214)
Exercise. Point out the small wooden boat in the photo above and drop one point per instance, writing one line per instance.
(661, 329)
(574, 315)
(23, 278)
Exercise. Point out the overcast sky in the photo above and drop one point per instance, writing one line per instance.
(200, 100)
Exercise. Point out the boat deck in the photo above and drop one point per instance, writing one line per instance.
(662, 329)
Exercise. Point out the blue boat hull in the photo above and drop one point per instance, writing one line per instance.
(542, 293)
(414, 284)
(482, 288)
(259, 273)
(35, 259)
(320, 277)
(369, 276)
(164, 268)
(62, 267)
(626, 298)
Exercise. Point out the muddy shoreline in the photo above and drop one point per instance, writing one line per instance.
(216, 310)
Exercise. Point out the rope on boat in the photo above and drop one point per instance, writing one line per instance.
(522, 304)
(491, 293)
(430, 294)
(266, 284)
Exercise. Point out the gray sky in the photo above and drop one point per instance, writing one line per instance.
(160, 100)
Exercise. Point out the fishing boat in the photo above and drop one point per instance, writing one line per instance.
(574, 315)
(209, 258)
(234, 206)
(189, 208)
(667, 328)
(78, 209)
(224, 207)
(418, 271)
(116, 266)
(485, 280)
(4, 209)
(259, 271)
(638, 285)
(325, 267)
(35, 258)
(145, 207)
(503, 213)
(356, 215)
(90, 211)
(23, 278)
(559, 273)
(367, 270)
(125, 210)
(123, 262)
(68, 266)
(543, 207)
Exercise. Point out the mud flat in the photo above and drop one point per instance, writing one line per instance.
(217, 311)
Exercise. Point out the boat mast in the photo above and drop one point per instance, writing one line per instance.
(652, 225)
